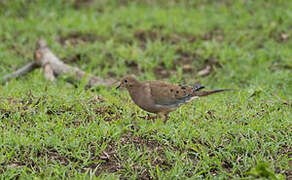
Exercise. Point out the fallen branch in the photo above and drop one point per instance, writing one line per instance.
(53, 67)
(27, 68)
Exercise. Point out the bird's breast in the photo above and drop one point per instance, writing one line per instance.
(142, 98)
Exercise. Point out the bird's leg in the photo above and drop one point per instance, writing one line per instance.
(162, 115)
(148, 117)
(166, 118)
(151, 117)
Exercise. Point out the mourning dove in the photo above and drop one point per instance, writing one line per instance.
(161, 97)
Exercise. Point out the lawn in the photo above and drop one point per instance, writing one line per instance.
(59, 130)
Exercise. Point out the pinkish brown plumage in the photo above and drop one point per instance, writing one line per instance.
(161, 97)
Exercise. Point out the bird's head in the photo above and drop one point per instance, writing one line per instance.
(128, 82)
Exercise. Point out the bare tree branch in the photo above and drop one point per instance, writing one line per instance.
(21, 71)
(49, 73)
(53, 66)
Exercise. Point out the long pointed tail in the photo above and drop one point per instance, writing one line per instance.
(206, 93)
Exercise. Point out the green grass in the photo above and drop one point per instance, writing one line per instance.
(52, 129)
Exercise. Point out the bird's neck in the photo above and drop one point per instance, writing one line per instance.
(135, 90)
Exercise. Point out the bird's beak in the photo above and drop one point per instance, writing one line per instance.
(118, 86)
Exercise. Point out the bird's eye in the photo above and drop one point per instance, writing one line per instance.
(125, 80)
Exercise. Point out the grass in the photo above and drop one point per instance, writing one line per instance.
(56, 130)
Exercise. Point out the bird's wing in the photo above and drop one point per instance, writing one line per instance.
(167, 94)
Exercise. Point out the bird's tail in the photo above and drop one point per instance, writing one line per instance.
(206, 93)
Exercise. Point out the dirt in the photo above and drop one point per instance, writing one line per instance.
(133, 67)
(75, 38)
(280, 37)
(277, 66)
(155, 34)
(161, 72)
(111, 161)
(25, 154)
(144, 35)
(191, 63)
(78, 4)
(78, 58)
(186, 61)
(108, 113)
(215, 34)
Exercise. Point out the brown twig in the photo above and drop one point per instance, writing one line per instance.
(25, 69)
(53, 67)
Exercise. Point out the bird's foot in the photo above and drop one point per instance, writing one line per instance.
(151, 117)
(148, 117)
(166, 119)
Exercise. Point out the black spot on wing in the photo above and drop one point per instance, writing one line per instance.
(197, 87)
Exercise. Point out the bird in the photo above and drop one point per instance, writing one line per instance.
(161, 97)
